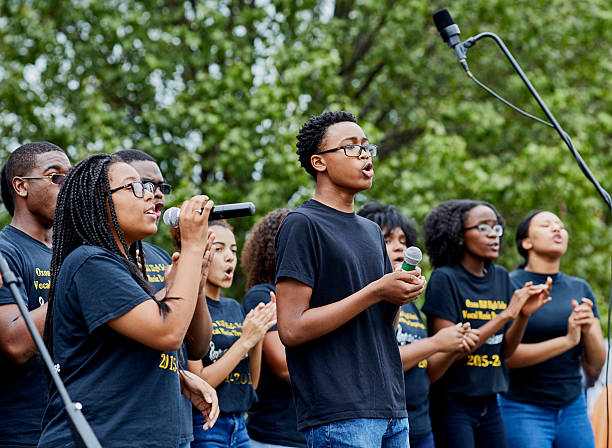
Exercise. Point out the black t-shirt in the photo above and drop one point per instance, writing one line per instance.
(410, 329)
(129, 392)
(157, 260)
(272, 419)
(556, 382)
(355, 371)
(236, 393)
(23, 388)
(458, 296)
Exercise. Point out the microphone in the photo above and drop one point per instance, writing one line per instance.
(412, 257)
(449, 32)
(239, 210)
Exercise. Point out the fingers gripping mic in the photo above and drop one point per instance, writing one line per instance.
(412, 257)
(449, 32)
(240, 210)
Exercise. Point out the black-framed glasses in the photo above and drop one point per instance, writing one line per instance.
(138, 188)
(56, 178)
(164, 188)
(486, 228)
(354, 150)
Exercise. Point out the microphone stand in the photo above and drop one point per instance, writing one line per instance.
(83, 433)
(461, 51)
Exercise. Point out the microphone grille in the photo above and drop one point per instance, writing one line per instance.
(442, 19)
(413, 256)
(171, 216)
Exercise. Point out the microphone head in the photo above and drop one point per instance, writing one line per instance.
(442, 19)
(171, 216)
(413, 256)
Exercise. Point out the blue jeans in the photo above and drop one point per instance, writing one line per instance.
(531, 426)
(467, 422)
(426, 441)
(228, 431)
(360, 433)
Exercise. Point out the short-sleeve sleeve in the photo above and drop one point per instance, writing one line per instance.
(440, 298)
(296, 256)
(6, 296)
(105, 290)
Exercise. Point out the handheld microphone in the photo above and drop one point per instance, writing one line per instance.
(239, 210)
(449, 32)
(412, 257)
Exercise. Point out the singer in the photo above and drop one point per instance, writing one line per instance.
(333, 282)
(463, 238)
(423, 359)
(31, 180)
(545, 405)
(114, 344)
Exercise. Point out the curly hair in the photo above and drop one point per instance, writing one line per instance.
(19, 163)
(258, 257)
(522, 232)
(312, 132)
(388, 218)
(443, 230)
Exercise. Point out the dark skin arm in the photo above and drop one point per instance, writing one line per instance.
(274, 355)
(15, 339)
(298, 323)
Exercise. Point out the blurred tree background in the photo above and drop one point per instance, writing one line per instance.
(217, 90)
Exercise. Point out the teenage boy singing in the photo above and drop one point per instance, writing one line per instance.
(334, 282)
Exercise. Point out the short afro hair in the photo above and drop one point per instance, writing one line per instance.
(258, 258)
(443, 230)
(19, 163)
(312, 132)
(388, 218)
(134, 155)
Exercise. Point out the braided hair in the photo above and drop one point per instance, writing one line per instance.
(312, 132)
(258, 257)
(522, 232)
(84, 204)
(443, 230)
(19, 163)
(388, 217)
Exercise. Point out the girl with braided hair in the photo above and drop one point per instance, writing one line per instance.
(114, 344)
(462, 238)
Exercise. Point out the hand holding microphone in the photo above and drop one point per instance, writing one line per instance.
(404, 287)
(239, 210)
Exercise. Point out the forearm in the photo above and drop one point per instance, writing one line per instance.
(412, 354)
(514, 335)
(216, 373)
(316, 322)
(527, 355)
(199, 333)
(255, 363)
(17, 342)
(438, 364)
(490, 328)
(594, 349)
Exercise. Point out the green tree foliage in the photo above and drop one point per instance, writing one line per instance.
(217, 90)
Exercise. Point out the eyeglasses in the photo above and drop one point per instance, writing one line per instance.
(486, 228)
(55, 178)
(164, 188)
(138, 188)
(354, 150)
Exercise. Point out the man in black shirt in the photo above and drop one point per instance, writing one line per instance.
(30, 182)
(334, 284)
